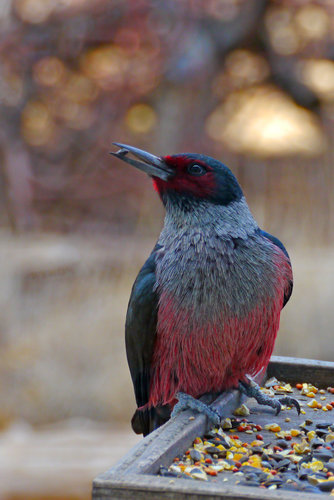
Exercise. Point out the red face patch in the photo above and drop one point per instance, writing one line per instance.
(184, 181)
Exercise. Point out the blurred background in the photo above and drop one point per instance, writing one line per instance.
(250, 82)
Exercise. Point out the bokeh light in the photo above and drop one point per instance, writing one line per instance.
(34, 11)
(312, 21)
(37, 125)
(263, 121)
(318, 75)
(140, 118)
(49, 71)
(246, 68)
(283, 36)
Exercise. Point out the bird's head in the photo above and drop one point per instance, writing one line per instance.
(188, 175)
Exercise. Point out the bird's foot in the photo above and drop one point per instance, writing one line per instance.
(252, 390)
(185, 401)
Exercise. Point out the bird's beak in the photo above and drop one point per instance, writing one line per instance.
(152, 165)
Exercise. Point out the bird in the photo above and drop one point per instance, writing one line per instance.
(205, 308)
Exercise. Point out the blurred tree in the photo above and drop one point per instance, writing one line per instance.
(249, 81)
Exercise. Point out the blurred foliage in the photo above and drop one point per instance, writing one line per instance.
(248, 81)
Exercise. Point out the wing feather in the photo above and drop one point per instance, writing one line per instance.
(280, 245)
(140, 335)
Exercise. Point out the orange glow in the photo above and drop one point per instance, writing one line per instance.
(245, 68)
(140, 118)
(79, 88)
(318, 75)
(281, 31)
(312, 21)
(34, 11)
(49, 71)
(106, 65)
(265, 121)
(36, 123)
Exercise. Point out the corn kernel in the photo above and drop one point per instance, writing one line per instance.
(256, 443)
(227, 424)
(310, 435)
(242, 411)
(330, 437)
(272, 427)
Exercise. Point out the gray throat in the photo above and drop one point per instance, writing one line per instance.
(212, 259)
(206, 219)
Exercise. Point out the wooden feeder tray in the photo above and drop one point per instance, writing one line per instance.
(137, 474)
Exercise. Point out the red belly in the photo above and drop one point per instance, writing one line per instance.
(211, 358)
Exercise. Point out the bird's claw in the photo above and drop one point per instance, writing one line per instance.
(288, 401)
(252, 390)
(185, 401)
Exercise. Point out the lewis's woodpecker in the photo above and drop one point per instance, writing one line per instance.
(205, 308)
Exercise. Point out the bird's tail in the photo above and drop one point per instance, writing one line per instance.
(146, 420)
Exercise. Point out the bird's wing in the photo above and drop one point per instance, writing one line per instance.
(280, 245)
(140, 334)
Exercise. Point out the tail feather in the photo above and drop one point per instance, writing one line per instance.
(147, 420)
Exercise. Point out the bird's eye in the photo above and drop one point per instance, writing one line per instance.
(196, 169)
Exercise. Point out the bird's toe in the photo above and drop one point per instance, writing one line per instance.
(289, 401)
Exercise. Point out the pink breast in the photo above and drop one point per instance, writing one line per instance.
(195, 358)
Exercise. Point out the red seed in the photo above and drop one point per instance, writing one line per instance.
(188, 452)
(238, 464)
(329, 474)
(288, 438)
(331, 390)
(258, 427)
(235, 436)
(299, 386)
(235, 469)
(273, 472)
(208, 461)
(211, 472)
(176, 459)
(328, 447)
(291, 452)
(241, 428)
(332, 403)
(197, 463)
(277, 448)
(259, 437)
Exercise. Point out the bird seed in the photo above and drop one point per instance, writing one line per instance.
(300, 458)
